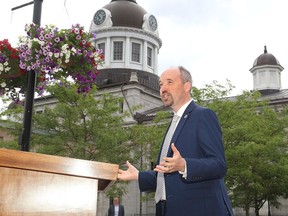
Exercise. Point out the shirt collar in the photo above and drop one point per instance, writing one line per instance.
(183, 108)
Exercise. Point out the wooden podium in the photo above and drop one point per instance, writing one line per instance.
(33, 184)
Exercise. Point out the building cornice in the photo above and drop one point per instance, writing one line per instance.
(266, 67)
(128, 30)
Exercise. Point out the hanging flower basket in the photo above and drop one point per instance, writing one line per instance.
(58, 54)
(12, 77)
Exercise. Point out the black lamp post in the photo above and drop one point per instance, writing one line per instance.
(31, 82)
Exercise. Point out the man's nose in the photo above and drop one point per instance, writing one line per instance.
(163, 88)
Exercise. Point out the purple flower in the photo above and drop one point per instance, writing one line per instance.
(77, 60)
(2, 59)
(23, 54)
(87, 89)
(22, 65)
(76, 31)
(28, 52)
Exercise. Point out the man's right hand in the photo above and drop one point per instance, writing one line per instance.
(130, 174)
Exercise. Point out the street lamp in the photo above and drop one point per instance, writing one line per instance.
(31, 82)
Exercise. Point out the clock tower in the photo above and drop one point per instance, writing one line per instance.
(128, 35)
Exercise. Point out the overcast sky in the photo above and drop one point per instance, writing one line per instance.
(214, 39)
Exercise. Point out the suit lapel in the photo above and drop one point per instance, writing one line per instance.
(180, 125)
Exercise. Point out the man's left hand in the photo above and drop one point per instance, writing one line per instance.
(175, 163)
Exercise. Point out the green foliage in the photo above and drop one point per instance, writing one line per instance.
(255, 141)
(81, 126)
(211, 92)
(147, 139)
(9, 144)
(11, 132)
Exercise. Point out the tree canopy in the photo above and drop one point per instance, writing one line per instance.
(255, 140)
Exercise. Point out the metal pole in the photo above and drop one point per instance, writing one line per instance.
(23, 5)
(31, 82)
(269, 210)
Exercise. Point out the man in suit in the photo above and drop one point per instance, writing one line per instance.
(189, 178)
(116, 209)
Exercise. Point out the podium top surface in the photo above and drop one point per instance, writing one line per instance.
(106, 173)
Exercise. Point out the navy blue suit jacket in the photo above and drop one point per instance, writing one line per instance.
(198, 138)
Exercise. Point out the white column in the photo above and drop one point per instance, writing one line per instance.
(127, 53)
(108, 52)
(155, 60)
(144, 57)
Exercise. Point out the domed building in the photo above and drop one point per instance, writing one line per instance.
(128, 36)
(266, 72)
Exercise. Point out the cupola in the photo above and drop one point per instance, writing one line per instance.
(266, 72)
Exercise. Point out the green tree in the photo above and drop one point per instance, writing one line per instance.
(12, 123)
(147, 139)
(81, 126)
(255, 141)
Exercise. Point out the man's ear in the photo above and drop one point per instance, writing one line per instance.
(187, 86)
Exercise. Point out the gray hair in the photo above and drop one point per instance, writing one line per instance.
(185, 74)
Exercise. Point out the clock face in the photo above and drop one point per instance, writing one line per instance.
(152, 22)
(99, 17)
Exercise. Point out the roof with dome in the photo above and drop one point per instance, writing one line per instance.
(126, 13)
(266, 59)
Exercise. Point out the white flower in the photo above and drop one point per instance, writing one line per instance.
(56, 55)
(3, 85)
(67, 57)
(64, 47)
(42, 43)
(73, 50)
(27, 27)
(1, 67)
(7, 69)
(29, 44)
(38, 41)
